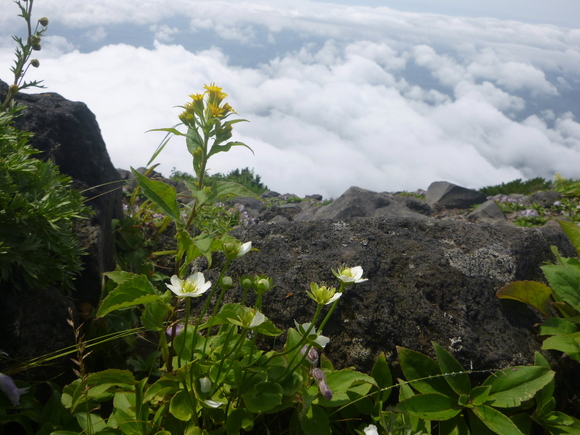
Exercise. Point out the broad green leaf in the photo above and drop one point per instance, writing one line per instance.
(383, 378)
(568, 344)
(573, 232)
(162, 195)
(458, 379)
(238, 419)
(181, 406)
(565, 283)
(111, 376)
(135, 291)
(496, 421)
(263, 397)
(558, 423)
(431, 406)
(532, 293)
(225, 148)
(557, 325)
(221, 189)
(511, 386)
(423, 373)
(92, 421)
(315, 422)
(405, 391)
(340, 381)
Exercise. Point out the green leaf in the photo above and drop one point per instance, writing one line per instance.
(315, 422)
(423, 373)
(238, 419)
(558, 423)
(556, 326)
(263, 396)
(480, 394)
(162, 195)
(532, 293)
(224, 148)
(164, 141)
(222, 189)
(431, 406)
(514, 385)
(154, 315)
(565, 283)
(573, 232)
(496, 421)
(383, 378)
(134, 291)
(180, 406)
(459, 380)
(568, 344)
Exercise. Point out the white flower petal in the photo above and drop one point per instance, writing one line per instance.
(322, 341)
(205, 385)
(371, 429)
(335, 297)
(244, 249)
(258, 319)
(213, 403)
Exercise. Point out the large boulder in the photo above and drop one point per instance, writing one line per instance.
(449, 195)
(36, 323)
(428, 280)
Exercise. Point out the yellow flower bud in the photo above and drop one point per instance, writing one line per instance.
(43, 21)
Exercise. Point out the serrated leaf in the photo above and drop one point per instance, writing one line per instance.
(565, 283)
(514, 385)
(532, 293)
(496, 421)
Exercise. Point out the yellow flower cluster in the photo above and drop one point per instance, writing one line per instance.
(206, 105)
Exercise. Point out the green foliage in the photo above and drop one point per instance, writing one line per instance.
(37, 243)
(518, 186)
(245, 177)
(567, 186)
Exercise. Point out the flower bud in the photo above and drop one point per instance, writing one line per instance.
(35, 63)
(320, 379)
(246, 283)
(262, 284)
(36, 47)
(311, 356)
(226, 282)
(43, 21)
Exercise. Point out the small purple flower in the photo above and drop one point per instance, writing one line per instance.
(178, 328)
(8, 387)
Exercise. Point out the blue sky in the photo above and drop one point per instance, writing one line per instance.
(387, 96)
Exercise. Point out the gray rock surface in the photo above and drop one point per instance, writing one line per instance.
(428, 280)
(449, 195)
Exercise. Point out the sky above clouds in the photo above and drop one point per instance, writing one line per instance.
(384, 95)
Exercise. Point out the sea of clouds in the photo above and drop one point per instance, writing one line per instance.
(335, 95)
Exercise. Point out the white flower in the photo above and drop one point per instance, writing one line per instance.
(371, 429)
(191, 287)
(320, 339)
(258, 319)
(205, 384)
(213, 403)
(350, 275)
(8, 387)
(244, 249)
(323, 295)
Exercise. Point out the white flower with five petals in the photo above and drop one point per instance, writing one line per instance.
(191, 287)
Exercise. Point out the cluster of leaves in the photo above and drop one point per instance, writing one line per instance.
(37, 243)
(518, 186)
(561, 297)
(245, 177)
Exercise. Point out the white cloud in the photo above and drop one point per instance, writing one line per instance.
(373, 97)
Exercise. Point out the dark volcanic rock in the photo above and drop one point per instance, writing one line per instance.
(427, 281)
(449, 195)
